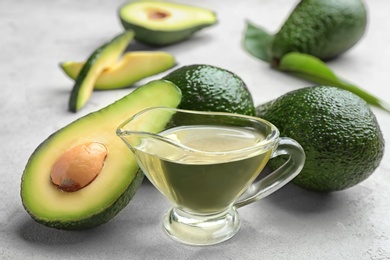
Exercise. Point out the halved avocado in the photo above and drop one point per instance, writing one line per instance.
(132, 67)
(105, 56)
(118, 179)
(163, 23)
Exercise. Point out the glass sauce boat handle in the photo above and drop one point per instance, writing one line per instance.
(278, 178)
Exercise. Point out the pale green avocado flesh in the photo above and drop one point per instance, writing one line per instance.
(105, 56)
(119, 178)
(131, 68)
(163, 23)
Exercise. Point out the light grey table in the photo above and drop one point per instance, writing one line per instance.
(290, 224)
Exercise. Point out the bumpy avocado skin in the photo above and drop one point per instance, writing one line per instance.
(338, 131)
(322, 28)
(210, 88)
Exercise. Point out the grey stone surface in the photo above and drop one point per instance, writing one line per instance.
(290, 224)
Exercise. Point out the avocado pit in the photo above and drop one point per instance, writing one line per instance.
(157, 14)
(78, 166)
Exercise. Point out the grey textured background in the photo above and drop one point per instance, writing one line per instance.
(290, 224)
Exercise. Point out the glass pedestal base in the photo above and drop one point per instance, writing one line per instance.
(201, 230)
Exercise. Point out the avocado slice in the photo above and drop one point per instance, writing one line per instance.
(101, 58)
(131, 68)
(163, 23)
(119, 178)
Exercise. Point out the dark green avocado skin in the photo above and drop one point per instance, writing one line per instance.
(322, 28)
(210, 88)
(338, 131)
(161, 38)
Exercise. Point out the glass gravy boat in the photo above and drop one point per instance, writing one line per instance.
(207, 164)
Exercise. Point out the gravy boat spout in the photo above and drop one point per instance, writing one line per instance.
(145, 124)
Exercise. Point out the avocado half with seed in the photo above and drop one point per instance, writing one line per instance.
(131, 68)
(162, 23)
(83, 175)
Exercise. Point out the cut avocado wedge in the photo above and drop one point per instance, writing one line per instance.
(105, 56)
(131, 68)
(118, 179)
(163, 23)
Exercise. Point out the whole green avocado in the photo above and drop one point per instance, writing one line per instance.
(210, 88)
(322, 28)
(338, 131)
